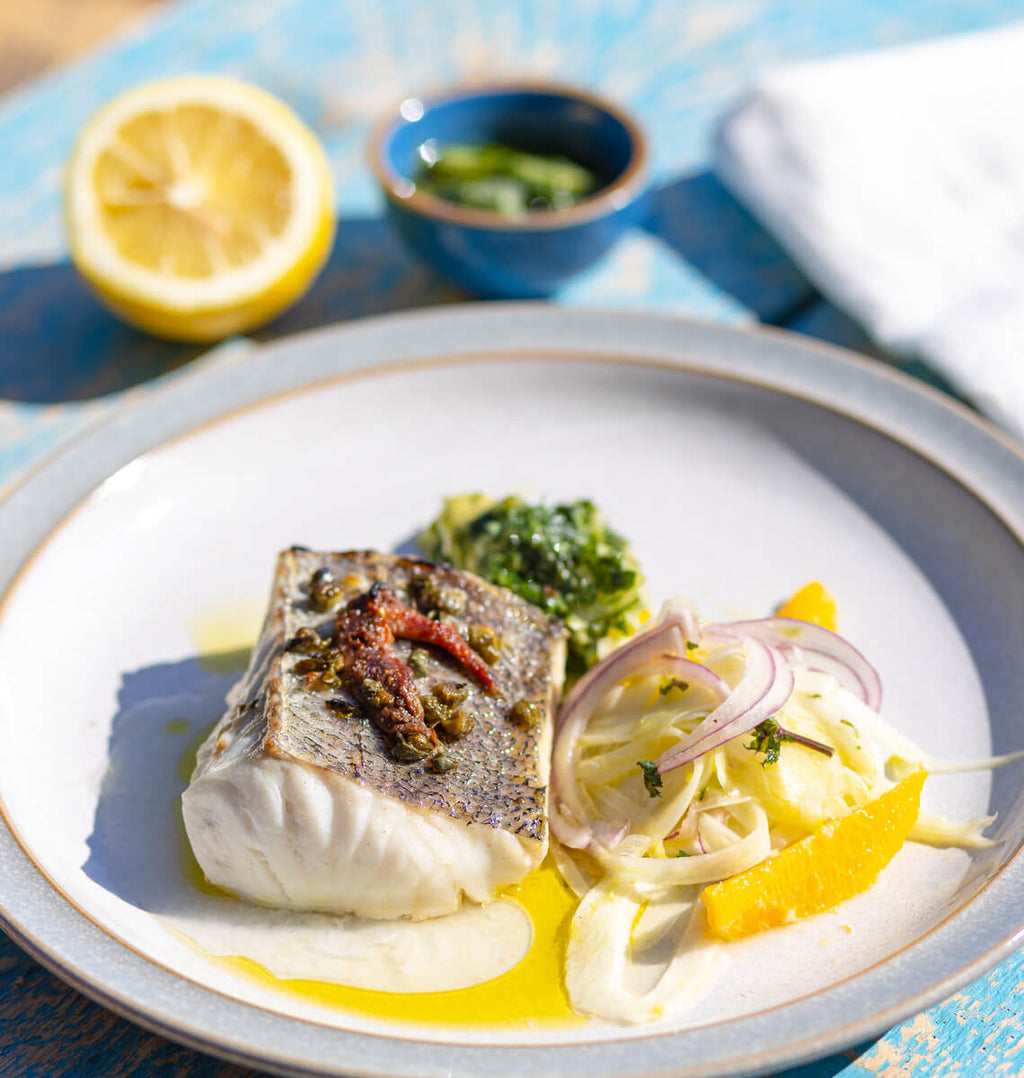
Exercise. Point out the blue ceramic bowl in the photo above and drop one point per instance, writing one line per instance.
(532, 254)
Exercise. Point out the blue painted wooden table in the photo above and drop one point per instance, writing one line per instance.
(65, 363)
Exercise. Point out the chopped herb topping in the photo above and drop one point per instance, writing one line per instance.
(682, 853)
(692, 645)
(673, 683)
(563, 558)
(652, 778)
(767, 739)
(769, 736)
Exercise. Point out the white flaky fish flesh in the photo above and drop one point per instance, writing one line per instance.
(372, 761)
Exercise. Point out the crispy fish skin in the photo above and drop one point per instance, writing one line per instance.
(297, 799)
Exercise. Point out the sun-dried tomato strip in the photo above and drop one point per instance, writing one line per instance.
(364, 632)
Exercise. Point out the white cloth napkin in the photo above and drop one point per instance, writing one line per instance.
(895, 179)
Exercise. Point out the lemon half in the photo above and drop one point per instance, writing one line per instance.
(198, 206)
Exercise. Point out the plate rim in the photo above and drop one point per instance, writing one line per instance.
(51, 490)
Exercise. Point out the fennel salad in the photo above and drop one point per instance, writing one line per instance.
(709, 780)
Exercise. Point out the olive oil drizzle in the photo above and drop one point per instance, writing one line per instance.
(529, 995)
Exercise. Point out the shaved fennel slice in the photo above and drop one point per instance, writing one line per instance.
(847, 707)
(964, 834)
(574, 867)
(658, 648)
(708, 867)
(939, 830)
(600, 972)
(665, 815)
(817, 694)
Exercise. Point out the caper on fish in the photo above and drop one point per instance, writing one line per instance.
(312, 665)
(419, 661)
(324, 593)
(436, 598)
(442, 763)
(526, 712)
(375, 693)
(344, 708)
(307, 642)
(485, 641)
(458, 724)
(440, 708)
(412, 745)
(450, 692)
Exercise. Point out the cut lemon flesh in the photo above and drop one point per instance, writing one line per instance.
(198, 206)
(841, 859)
(811, 603)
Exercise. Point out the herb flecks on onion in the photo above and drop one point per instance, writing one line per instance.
(772, 649)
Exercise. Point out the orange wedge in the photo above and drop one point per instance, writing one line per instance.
(811, 603)
(841, 859)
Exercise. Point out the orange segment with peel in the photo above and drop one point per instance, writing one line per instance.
(811, 603)
(839, 860)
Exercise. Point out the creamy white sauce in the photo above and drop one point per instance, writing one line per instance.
(465, 948)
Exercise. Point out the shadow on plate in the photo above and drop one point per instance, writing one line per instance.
(137, 848)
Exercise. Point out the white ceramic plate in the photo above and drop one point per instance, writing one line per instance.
(741, 466)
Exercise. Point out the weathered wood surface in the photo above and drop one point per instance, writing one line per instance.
(37, 36)
(64, 361)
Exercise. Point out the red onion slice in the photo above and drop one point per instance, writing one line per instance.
(691, 672)
(654, 650)
(608, 834)
(811, 647)
(764, 688)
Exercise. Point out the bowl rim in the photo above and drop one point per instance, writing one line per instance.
(625, 189)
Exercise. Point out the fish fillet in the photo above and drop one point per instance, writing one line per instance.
(297, 799)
